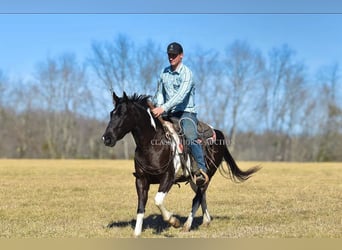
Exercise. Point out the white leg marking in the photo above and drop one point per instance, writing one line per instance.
(159, 199)
(206, 217)
(138, 224)
(188, 223)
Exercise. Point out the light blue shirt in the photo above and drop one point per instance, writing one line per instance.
(176, 90)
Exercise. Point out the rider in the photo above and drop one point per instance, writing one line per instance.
(175, 97)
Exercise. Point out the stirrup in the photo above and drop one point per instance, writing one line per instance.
(198, 180)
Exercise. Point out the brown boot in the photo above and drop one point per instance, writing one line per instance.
(201, 178)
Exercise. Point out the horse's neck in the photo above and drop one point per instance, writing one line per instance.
(146, 132)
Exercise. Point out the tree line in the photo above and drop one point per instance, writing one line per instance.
(270, 105)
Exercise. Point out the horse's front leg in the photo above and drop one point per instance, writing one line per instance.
(142, 187)
(164, 187)
(167, 216)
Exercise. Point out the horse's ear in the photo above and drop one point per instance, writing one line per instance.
(125, 97)
(115, 98)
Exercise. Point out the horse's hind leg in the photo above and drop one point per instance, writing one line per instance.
(199, 199)
(206, 215)
(196, 202)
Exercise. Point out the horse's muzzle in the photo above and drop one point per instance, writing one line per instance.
(108, 141)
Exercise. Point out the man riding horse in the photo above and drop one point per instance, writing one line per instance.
(156, 163)
(175, 98)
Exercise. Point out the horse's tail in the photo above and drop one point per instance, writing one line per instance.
(237, 175)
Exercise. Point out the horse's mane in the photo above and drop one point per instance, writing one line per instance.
(139, 99)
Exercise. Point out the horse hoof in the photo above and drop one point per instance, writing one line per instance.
(174, 222)
(186, 229)
(206, 224)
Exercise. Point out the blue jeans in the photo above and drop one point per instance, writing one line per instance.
(188, 123)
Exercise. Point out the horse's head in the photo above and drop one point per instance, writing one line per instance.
(124, 118)
(121, 122)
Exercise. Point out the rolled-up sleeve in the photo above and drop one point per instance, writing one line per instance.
(158, 98)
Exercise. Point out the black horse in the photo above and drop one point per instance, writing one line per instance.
(155, 162)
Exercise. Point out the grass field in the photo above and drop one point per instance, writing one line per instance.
(97, 199)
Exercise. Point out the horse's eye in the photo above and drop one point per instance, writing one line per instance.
(116, 111)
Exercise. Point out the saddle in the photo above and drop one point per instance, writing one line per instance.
(206, 137)
(206, 132)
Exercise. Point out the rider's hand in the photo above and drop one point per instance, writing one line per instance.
(157, 111)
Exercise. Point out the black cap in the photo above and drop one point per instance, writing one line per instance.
(174, 48)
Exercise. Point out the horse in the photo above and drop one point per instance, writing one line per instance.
(154, 162)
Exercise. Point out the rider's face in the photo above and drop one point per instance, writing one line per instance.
(175, 60)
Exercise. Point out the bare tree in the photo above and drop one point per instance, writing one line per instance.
(114, 65)
(330, 121)
(62, 90)
(207, 76)
(148, 64)
(284, 92)
(243, 68)
(2, 91)
(3, 84)
(3, 113)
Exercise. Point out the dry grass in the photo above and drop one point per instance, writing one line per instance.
(97, 199)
